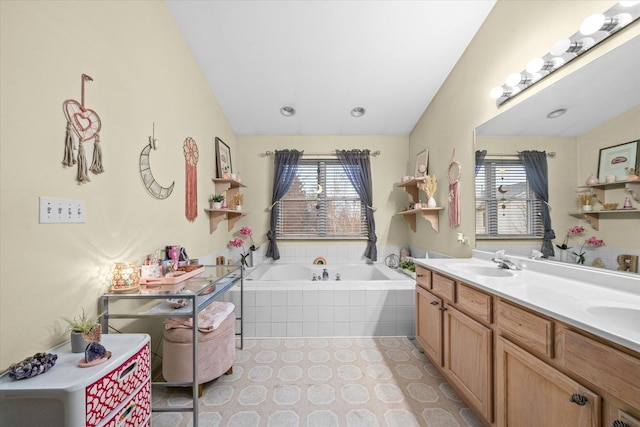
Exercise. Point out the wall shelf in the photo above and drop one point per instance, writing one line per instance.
(600, 190)
(632, 187)
(593, 217)
(216, 216)
(411, 188)
(430, 214)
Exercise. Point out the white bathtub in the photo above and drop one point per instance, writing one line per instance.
(281, 300)
(304, 273)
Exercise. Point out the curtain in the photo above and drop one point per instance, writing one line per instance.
(285, 169)
(480, 155)
(357, 166)
(535, 166)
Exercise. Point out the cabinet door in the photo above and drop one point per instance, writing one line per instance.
(531, 393)
(429, 324)
(468, 359)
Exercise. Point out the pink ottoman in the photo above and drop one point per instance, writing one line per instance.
(216, 352)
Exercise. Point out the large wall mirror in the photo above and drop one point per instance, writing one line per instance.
(602, 103)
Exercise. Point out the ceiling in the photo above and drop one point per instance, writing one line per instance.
(324, 58)
(592, 95)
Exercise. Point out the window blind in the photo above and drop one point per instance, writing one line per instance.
(505, 204)
(321, 203)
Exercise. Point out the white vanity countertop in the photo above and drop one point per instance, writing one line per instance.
(603, 302)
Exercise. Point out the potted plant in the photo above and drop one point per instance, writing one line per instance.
(83, 329)
(215, 201)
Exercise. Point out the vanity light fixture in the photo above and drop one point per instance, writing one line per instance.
(358, 111)
(287, 111)
(597, 27)
(556, 113)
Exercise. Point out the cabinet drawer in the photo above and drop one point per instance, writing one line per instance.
(614, 371)
(529, 330)
(443, 287)
(107, 393)
(474, 302)
(135, 411)
(423, 277)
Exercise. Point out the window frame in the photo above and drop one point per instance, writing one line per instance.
(492, 202)
(323, 199)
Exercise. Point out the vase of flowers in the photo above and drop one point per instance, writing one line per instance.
(246, 257)
(564, 247)
(592, 242)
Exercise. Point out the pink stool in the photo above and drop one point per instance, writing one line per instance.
(216, 353)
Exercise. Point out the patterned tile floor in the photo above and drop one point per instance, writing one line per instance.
(353, 382)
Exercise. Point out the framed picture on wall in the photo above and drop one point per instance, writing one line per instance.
(422, 164)
(618, 160)
(223, 159)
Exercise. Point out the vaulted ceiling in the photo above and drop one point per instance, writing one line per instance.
(323, 58)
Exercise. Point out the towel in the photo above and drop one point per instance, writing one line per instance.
(209, 319)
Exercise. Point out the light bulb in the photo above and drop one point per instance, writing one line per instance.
(597, 22)
(497, 92)
(514, 79)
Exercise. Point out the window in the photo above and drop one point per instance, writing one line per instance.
(321, 203)
(506, 207)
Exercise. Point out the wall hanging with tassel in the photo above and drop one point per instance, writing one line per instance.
(85, 124)
(191, 155)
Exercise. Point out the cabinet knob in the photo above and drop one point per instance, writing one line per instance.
(618, 423)
(578, 399)
(419, 275)
(443, 309)
(434, 303)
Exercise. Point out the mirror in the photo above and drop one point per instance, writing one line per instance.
(593, 95)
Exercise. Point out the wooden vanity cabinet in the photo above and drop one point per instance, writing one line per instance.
(517, 367)
(447, 327)
(429, 324)
(531, 393)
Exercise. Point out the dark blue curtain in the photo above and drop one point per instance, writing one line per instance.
(286, 166)
(357, 166)
(535, 166)
(480, 155)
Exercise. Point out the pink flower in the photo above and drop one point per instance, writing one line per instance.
(592, 241)
(576, 230)
(236, 242)
(245, 231)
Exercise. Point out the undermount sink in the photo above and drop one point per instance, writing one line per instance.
(483, 270)
(628, 317)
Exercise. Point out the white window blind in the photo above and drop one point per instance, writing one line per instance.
(334, 212)
(506, 207)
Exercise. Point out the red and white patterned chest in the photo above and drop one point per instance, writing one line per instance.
(114, 393)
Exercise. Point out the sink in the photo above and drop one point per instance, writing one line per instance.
(483, 270)
(624, 316)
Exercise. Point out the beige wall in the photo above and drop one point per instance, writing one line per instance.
(386, 169)
(505, 43)
(143, 73)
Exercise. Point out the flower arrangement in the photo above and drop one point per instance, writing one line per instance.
(429, 186)
(237, 200)
(237, 242)
(573, 231)
(591, 241)
(585, 198)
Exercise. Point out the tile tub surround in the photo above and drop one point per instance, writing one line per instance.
(327, 309)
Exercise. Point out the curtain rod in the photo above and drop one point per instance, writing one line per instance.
(271, 153)
(551, 154)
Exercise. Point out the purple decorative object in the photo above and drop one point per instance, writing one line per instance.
(32, 366)
(94, 351)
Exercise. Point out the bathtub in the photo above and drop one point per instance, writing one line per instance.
(281, 300)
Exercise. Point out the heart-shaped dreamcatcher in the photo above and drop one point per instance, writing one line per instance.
(85, 124)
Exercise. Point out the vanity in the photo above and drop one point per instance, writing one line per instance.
(548, 345)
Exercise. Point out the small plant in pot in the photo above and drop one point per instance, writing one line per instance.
(83, 329)
(215, 201)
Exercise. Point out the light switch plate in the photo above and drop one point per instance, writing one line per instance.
(61, 211)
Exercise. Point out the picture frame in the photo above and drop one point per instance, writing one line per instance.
(223, 159)
(422, 164)
(615, 159)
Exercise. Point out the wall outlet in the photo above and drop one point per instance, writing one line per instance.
(61, 211)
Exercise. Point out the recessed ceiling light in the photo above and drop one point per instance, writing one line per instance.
(358, 112)
(287, 111)
(556, 113)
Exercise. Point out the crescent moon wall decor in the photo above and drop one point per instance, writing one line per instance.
(151, 185)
